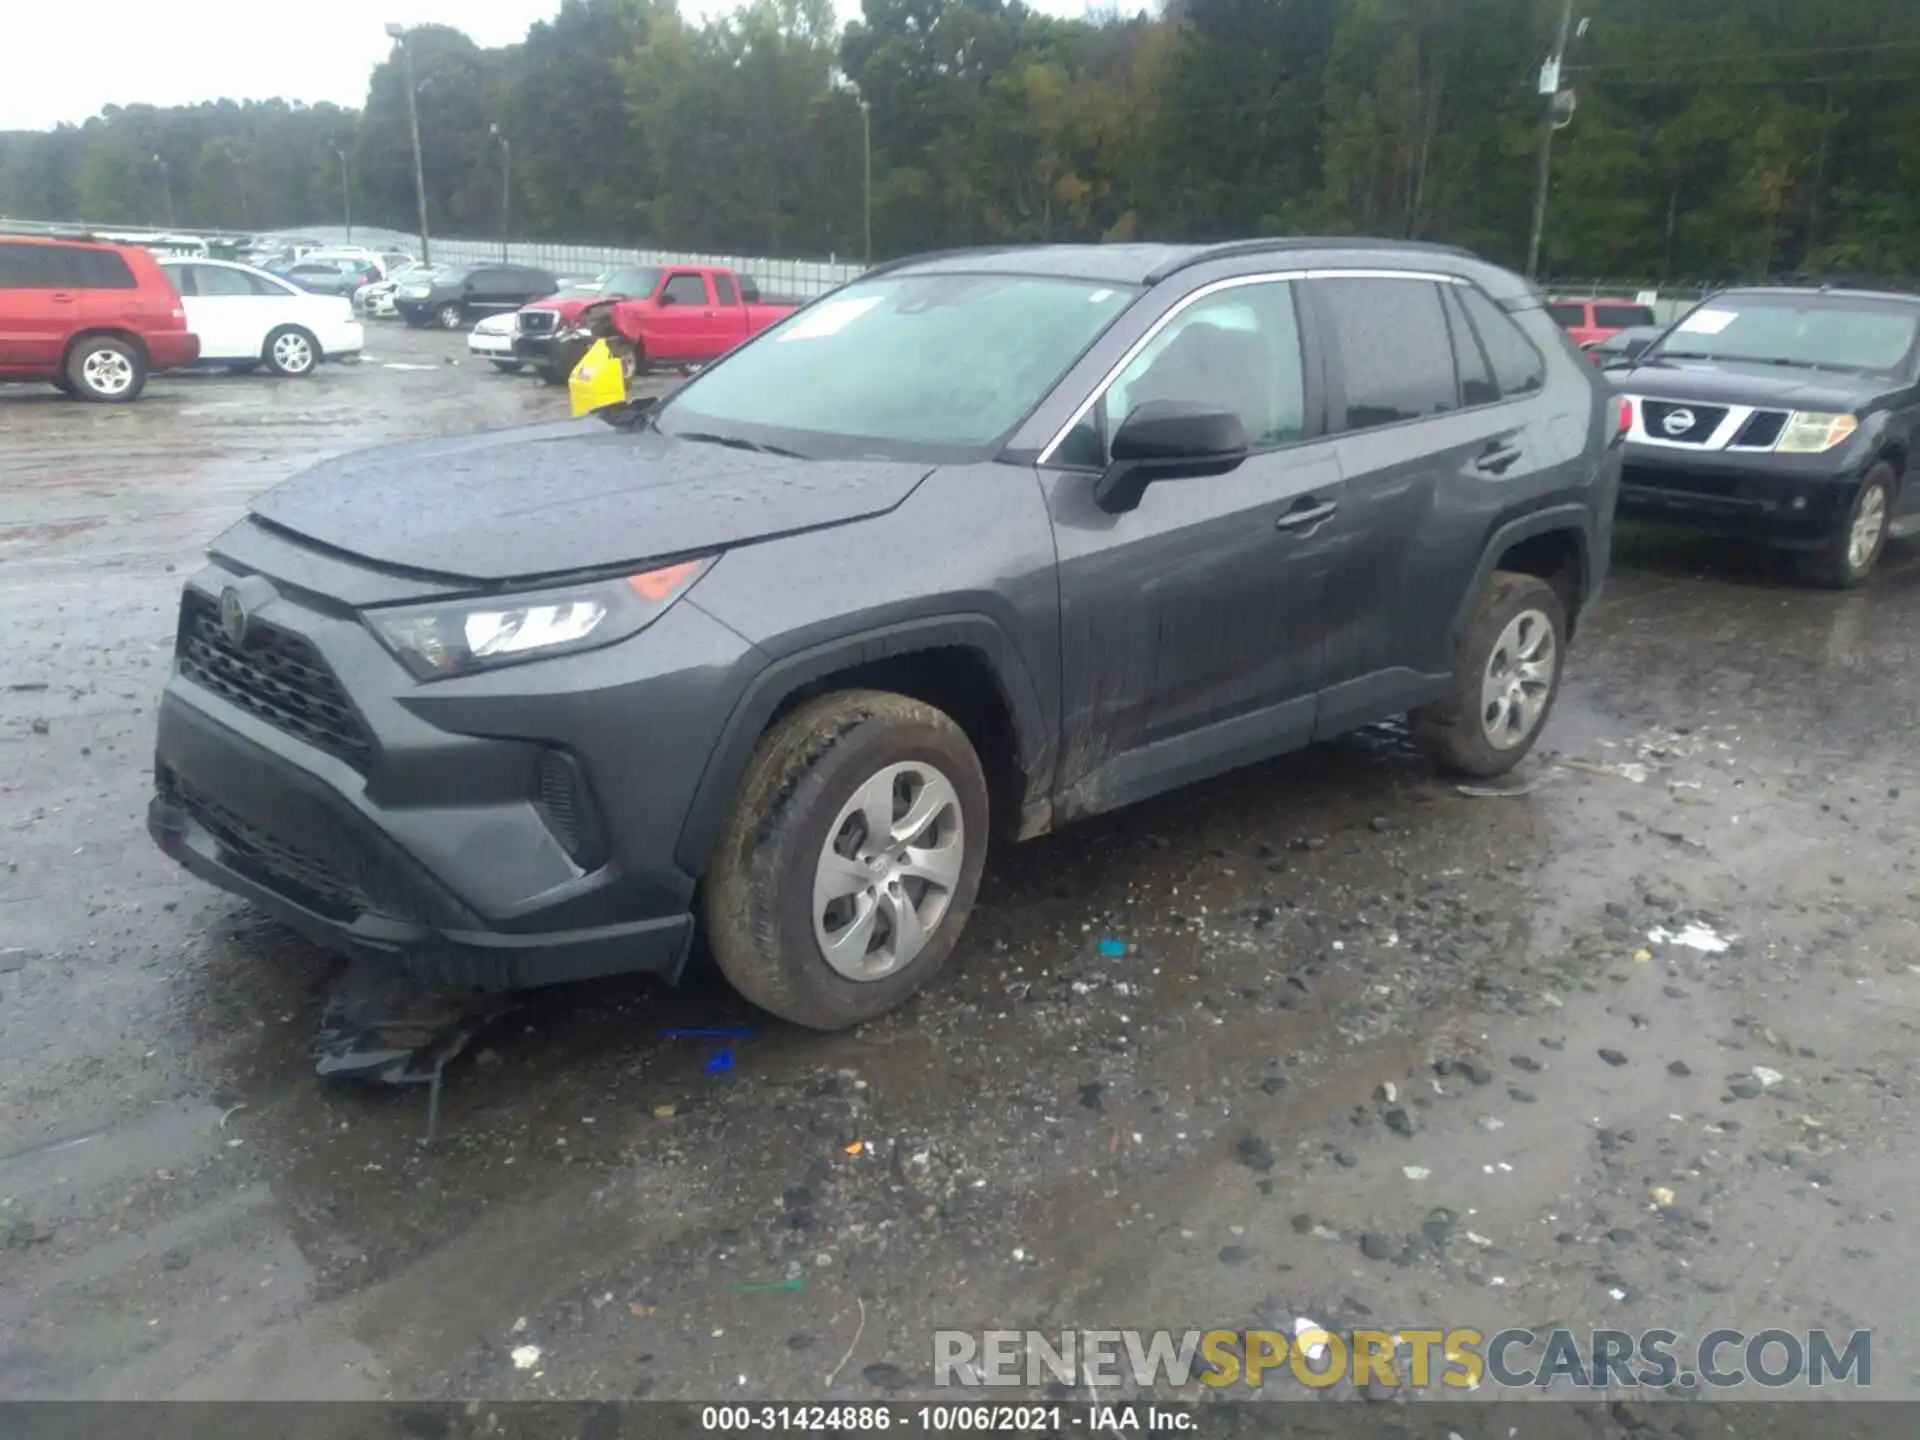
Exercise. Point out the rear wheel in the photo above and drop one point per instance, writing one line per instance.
(1859, 535)
(292, 352)
(850, 860)
(1506, 677)
(106, 370)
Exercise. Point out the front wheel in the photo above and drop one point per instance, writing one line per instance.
(1506, 677)
(507, 367)
(850, 860)
(1859, 535)
(292, 352)
(452, 316)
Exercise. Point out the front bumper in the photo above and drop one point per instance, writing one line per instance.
(556, 351)
(1790, 502)
(430, 842)
(491, 347)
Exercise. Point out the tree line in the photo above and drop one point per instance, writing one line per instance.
(1711, 139)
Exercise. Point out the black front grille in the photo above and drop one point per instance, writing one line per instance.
(281, 866)
(276, 675)
(538, 322)
(1706, 419)
(1763, 427)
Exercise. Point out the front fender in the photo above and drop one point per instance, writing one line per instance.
(770, 687)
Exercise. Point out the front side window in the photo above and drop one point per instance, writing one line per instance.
(1816, 332)
(939, 366)
(33, 267)
(1395, 354)
(1237, 350)
(1566, 315)
(685, 289)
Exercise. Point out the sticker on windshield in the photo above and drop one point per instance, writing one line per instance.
(828, 319)
(1099, 295)
(1708, 322)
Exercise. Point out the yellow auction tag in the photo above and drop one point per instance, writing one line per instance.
(597, 381)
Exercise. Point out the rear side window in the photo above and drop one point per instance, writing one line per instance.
(101, 270)
(34, 267)
(723, 289)
(1477, 385)
(1567, 316)
(1395, 354)
(1619, 317)
(1517, 366)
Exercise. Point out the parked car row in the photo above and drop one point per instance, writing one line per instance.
(96, 319)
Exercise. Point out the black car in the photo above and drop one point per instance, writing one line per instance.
(1784, 414)
(980, 543)
(455, 296)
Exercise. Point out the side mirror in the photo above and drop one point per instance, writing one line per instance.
(1168, 440)
(666, 299)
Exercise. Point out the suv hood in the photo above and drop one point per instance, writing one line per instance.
(576, 495)
(1774, 386)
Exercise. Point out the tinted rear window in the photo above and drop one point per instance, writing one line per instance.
(101, 270)
(1619, 317)
(1567, 316)
(1396, 356)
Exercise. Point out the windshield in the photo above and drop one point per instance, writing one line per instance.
(1816, 332)
(927, 366)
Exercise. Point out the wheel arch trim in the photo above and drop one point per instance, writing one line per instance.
(770, 687)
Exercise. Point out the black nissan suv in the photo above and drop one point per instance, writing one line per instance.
(1785, 414)
(980, 543)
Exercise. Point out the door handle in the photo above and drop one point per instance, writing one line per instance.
(1497, 458)
(1306, 513)
(61, 297)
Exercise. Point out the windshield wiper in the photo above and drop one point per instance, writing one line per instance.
(736, 442)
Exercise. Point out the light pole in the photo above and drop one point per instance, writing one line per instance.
(166, 186)
(1550, 88)
(346, 191)
(866, 166)
(506, 189)
(399, 34)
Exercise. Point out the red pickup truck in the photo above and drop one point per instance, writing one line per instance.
(673, 315)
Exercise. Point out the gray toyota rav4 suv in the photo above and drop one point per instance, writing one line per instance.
(978, 544)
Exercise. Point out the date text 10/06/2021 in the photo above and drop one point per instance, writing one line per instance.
(947, 1419)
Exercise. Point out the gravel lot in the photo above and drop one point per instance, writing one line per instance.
(1194, 1134)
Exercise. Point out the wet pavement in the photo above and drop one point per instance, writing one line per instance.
(1491, 1039)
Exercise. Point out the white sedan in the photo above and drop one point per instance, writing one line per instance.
(492, 339)
(246, 317)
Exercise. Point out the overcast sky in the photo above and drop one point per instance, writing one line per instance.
(135, 51)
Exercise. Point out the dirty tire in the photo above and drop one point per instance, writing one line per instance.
(291, 351)
(1838, 565)
(507, 367)
(552, 375)
(760, 886)
(1452, 730)
(106, 370)
(452, 315)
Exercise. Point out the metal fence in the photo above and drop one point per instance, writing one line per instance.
(798, 279)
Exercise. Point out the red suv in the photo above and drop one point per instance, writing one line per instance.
(94, 319)
(1588, 322)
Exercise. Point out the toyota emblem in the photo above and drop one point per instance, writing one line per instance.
(1678, 422)
(233, 616)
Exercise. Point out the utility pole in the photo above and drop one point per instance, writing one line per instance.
(166, 186)
(346, 191)
(1550, 89)
(399, 34)
(506, 189)
(866, 156)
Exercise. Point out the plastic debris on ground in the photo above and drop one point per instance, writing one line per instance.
(720, 1062)
(1113, 949)
(381, 1026)
(1695, 935)
(525, 1357)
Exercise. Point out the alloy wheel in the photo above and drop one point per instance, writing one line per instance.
(887, 873)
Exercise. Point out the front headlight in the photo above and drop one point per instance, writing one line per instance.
(458, 637)
(1810, 432)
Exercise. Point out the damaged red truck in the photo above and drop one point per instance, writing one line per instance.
(679, 315)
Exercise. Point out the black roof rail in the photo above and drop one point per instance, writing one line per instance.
(1229, 249)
